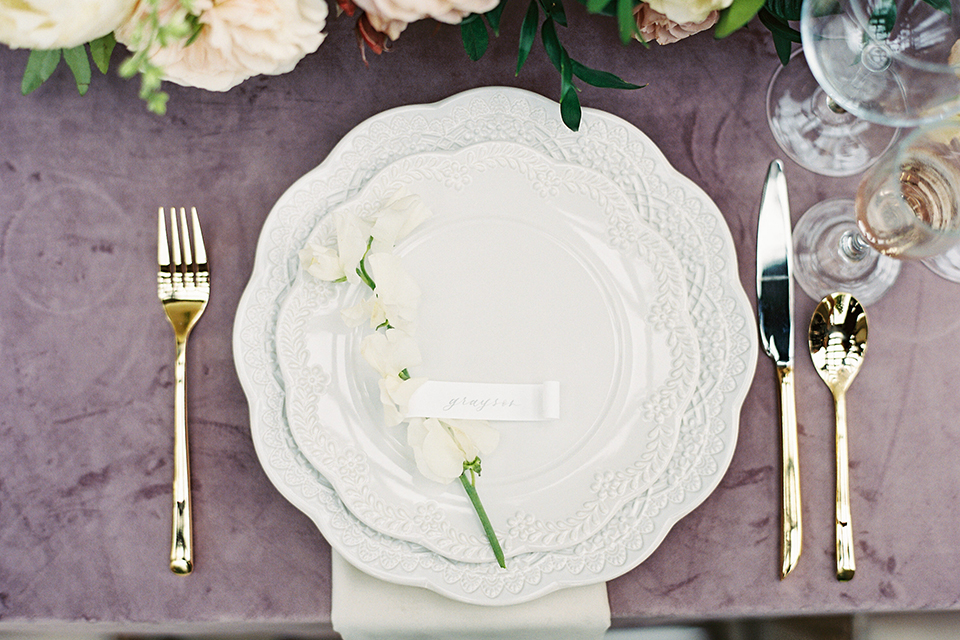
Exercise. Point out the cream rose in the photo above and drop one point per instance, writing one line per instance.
(238, 39)
(59, 24)
(688, 11)
(392, 16)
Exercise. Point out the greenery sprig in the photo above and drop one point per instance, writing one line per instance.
(152, 32)
(476, 38)
(774, 14)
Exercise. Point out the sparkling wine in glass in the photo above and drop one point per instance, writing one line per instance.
(907, 207)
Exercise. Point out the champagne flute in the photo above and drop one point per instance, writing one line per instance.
(907, 206)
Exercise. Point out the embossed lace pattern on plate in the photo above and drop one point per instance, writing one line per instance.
(648, 430)
(665, 200)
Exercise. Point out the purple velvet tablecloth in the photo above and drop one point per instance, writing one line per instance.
(86, 357)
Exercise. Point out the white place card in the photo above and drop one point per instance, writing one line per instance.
(486, 401)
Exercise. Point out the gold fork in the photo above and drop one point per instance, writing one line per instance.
(183, 285)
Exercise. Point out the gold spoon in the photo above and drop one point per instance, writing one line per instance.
(838, 342)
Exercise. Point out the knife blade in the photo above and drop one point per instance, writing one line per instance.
(775, 314)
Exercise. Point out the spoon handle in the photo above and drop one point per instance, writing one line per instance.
(845, 561)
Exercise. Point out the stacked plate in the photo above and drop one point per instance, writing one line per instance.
(582, 258)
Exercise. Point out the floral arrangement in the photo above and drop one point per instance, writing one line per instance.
(444, 449)
(217, 44)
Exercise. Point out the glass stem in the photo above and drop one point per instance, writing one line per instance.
(853, 246)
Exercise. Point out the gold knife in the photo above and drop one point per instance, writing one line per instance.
(775, 313)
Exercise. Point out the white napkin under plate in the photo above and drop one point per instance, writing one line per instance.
(366, 608)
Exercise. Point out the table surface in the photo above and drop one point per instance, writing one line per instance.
(86, 359)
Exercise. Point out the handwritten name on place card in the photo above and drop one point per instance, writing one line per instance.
(486, 401)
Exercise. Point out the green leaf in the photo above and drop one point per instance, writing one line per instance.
(941, 5)
(40, 66)
(474, 35)
(101, 49)
(626, 20)
(570, 109)
(554, 9)
(778, 27)
(602, 79)
(604, 7)
(548, 33)
(784, 47)
(566, 72)
(735, 16)
(76, 58)
(784, 9)
(493, 17)
(528, 33)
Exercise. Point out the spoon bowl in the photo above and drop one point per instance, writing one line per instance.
(838, 342)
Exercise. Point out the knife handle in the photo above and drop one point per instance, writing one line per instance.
(792, 530)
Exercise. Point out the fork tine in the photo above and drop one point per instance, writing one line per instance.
(199, 249)
(187, 257)
(175, 241)
(163, 250)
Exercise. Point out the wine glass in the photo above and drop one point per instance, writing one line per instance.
(814, 130)
(871, 66)
(907, 206)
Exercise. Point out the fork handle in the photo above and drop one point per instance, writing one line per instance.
(181, 548)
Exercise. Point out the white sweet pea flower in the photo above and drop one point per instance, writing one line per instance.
(688, 11)
(390, 352)
(321, 262)
(396, 295)
(59, 24)
(400, 214)
(440, 447)
(335, 265)
(395, 395)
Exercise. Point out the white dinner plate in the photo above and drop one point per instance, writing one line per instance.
(531, 270)
(667, 201)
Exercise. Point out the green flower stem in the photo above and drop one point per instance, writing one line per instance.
(471, 489)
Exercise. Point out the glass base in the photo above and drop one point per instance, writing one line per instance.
(946, 265)
(813, 131)
(831, 257)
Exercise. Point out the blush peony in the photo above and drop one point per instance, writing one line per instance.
(56, 24)
(655, 26)
(238, 39)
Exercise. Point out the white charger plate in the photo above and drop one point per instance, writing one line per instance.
(531, 270)
(666, 200)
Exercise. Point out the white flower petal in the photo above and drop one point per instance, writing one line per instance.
(396, 290)
(684, 11)
(321, 262)
(356, 315)
(474, 436)
(440, 454)
(390, 352)
(352, 236)
(395, 395)
(400, 215)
